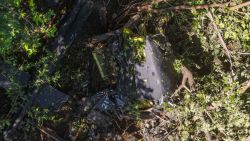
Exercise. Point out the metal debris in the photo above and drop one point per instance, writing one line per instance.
(9, 74)
(71, 26)
(151, 77)
(51, 98)
(4, 83)
(108, 100)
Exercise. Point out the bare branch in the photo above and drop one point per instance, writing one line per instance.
(50, 134)
(148, 7)
(240, 5)
(227, 52)
(244, 53)
(207, 134)
(245, 87)
(205, 6)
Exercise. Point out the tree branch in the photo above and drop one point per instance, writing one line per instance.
(50, 134)
(245, 87)
(148, 7)
(205, 6)
(207, 134)
(227, 52)
(240, 5)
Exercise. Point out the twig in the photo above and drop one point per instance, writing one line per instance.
(124, 131)
(78, 132)
(248, 138)
(148, 7)
(227, 52)
(244, 53)
(50, 134)
(105, 36)
(245, 87)
(209, 115)
(240, 5)
(207, 134)
(164, 138)
(205, 6)
(133, 20)
(159, 117)
(41, 136)
(184, 86)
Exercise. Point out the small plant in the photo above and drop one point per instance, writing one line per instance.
(17, 30)
(43, 115)
(177, 65)
(136, 43)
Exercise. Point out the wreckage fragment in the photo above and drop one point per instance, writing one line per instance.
(108, 100)
(151, 77)
(4, 82)
(49, 97)
(52, 3)
(71, 26)
(45, 97)
(9, 73)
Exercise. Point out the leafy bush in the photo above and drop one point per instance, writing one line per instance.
(217, 106)
(21, 29)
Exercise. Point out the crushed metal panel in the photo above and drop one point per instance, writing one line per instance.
(151, 79)
(49, 97)
(108, 100)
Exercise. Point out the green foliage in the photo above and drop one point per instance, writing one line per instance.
(223, 111)
(136, 43)
(21, 30)
(22, 27)
(43, 115)
(137, 106)
(16, 97)
(4, 123)
(216, 106)
(177, 65)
